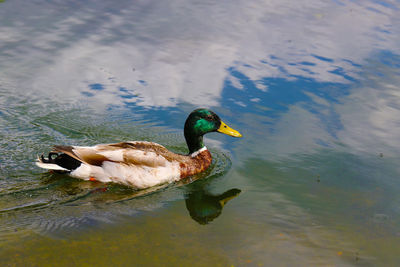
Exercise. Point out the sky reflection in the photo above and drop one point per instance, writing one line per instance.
(282, 60)
(114, 45)
(312, 85)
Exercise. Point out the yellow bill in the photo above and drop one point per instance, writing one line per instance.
(225, 129)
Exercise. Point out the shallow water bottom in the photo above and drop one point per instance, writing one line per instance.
(169, 237)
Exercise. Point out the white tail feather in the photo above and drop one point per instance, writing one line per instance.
(50, 166)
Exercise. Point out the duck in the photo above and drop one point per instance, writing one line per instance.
(140, 164)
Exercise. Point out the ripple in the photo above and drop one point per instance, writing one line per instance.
(59, 204)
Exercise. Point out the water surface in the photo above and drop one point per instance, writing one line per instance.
(313, 86)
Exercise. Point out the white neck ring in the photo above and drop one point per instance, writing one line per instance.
(194, 154)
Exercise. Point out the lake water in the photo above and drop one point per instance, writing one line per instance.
(313, 86)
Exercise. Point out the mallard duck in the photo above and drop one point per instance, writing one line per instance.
(140, 164)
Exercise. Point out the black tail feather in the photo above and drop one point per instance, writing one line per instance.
(62, 160)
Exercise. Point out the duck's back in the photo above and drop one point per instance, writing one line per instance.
(136, 164)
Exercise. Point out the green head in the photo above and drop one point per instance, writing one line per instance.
(200, 122)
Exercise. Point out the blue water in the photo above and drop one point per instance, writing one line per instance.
(312, 86)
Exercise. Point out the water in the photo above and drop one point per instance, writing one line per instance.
(312, 86)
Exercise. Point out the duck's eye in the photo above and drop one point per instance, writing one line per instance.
(209, 118)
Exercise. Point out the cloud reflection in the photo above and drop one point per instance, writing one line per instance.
(180, 52)
(266, 58)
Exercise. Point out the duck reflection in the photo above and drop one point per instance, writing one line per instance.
(204, 207)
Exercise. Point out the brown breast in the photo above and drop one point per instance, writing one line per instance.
(196, 164)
